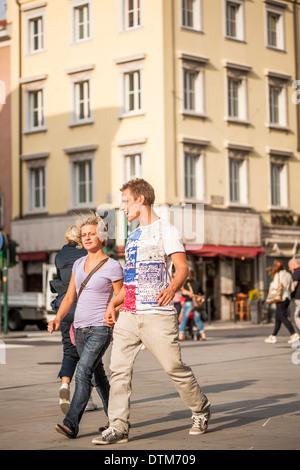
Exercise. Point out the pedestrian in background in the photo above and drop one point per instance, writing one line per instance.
(64, 261)
(92, 335)
(294, 267)
(281, 277)
(191, 288)
(177, 296)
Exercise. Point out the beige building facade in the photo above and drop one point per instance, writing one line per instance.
(5, 129)
(199, 97)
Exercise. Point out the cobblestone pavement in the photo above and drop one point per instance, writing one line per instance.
(253, 388)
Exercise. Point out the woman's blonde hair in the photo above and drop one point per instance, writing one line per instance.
(91, 218)
(72, 234)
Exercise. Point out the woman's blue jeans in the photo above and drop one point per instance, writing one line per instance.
(91, 343)
(70, 354)
(187, 309)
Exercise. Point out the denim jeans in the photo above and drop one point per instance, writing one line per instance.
(187, 309)
(91, 343)
(159, 333)
(281, 316)
(295, 314)
(70, 354)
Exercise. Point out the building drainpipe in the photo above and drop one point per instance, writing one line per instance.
(20, 117)
(174, 98)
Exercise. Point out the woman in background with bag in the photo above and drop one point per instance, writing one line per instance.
(95, 278)
(280, 291)
(191, 290)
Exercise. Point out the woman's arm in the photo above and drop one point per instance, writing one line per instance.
(115, 304)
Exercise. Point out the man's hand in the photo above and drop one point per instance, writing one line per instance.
(165, 296)
(53, 325)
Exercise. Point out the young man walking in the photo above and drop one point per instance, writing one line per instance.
(147, 315)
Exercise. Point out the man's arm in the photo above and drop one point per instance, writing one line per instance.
(112, 310)
(182, 272)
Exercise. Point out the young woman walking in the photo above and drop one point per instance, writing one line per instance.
(92, 335)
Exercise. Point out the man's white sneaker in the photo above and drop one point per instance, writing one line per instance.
(271, 339)
(110, 436)
(200, 423)
(293, 338)
(64, 398)
(91, 406)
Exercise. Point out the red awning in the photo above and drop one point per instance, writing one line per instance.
(230, 251)
(33, 256)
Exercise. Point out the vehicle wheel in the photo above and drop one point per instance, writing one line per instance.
(15, 322)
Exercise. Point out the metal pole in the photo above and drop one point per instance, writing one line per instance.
(5, 290)
(209, 310)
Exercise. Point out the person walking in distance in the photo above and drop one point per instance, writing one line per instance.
(147, 315)
(190, 288)
(294, 267)
(281, 277)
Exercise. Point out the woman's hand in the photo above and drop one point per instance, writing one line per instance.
(53, 325)
(110, 316)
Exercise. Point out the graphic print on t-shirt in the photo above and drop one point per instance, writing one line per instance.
(146, 271)
(152, 279)
(130, 271)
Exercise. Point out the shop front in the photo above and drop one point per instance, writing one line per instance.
(231, 261)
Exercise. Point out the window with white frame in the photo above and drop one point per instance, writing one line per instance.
(193, 84)
(236, 93)
(37, 188)
(131, 86)
(34, 99)
(81, 95)
(35, 31)
(277, 99)
(133, 166)
(234, 19)
(238, 177)
(191, 14)
(132, 14)
(194, 183)
(132, 91)
(81, 21)
(82, 100)
(279, 183)
(36, 109)
(82, 183)
(36, 182)
(275, 27)
(234, 87)
(132, 160)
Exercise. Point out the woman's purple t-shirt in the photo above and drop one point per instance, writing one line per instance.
(96, 295)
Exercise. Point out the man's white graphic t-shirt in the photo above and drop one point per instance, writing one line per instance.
(148, 266)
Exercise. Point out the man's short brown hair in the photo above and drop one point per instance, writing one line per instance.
(139, 187)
